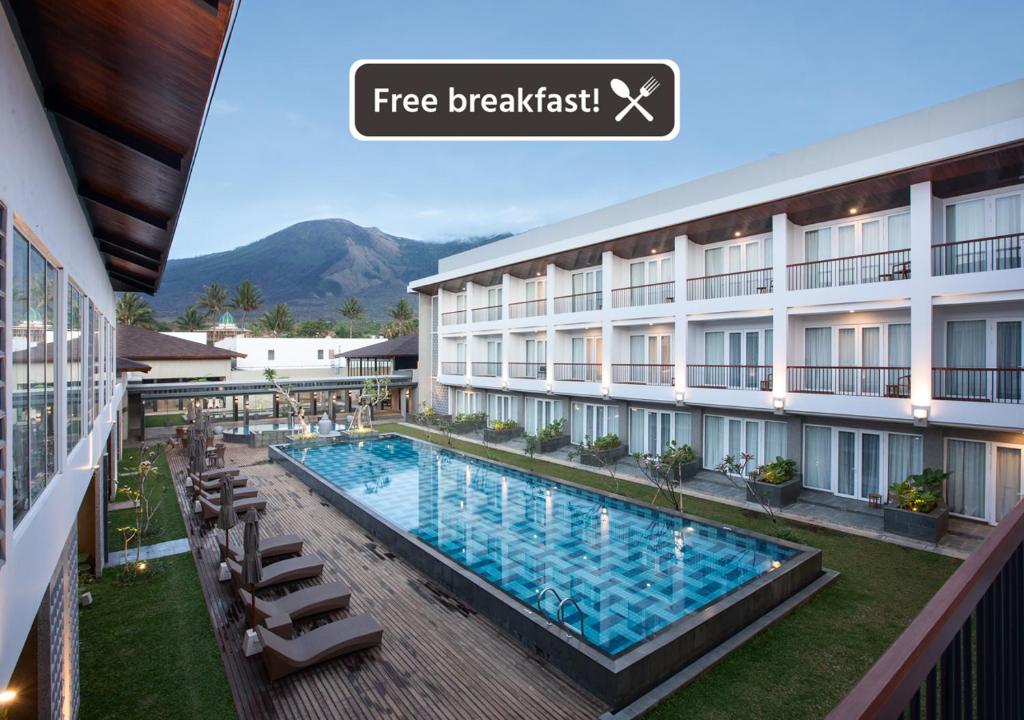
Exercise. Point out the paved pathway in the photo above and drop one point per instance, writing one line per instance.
(149, 552)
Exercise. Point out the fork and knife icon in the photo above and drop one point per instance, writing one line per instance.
(621, 89)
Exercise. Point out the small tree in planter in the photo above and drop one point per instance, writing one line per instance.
(732, 468)
(918, 511)
(552, 436)
(665, 471)
(605, 453)
(464, 423)
(774, 483)
(502, 431)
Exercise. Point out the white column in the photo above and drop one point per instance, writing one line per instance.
(782, 232)
(469, 355)
(471, 302)
(550, 357)
(607, 333)
(607, 268)
(506, 346)
(681, 332)
(550, 292)
(920, 294)
(506, 295)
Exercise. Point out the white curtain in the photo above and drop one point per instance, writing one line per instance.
(752, 443)
(636, 430)
(1008, 486)
(899, 231)
(576, 429)
(966, 221)
(818, 244)
(1008, 220)
(531, 416)
(818, 346)
(904, 456)
(818, 457)
(965, 348)
(714, 440)
(774, 440)
(684, 429)
(612, 414)
(871, 460)
(714, 261)
(899, 345)
(966, 485)
(1008, 355)
(845, 482)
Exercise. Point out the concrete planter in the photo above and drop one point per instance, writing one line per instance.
(433, 421)
(600, 458)
(552, 444)
(928, 527)
(465, 428)
(690, 469)
(777, 496)
(498, 436)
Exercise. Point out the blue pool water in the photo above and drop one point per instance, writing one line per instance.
(633, 570)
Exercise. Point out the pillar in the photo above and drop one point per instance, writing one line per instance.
(680, 332)
(782, 229)
(920, 295)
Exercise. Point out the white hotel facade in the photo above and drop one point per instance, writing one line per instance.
(855, 305)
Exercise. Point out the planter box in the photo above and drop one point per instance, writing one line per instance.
(929, 527)
(498, 436)
(690, 469)
(776, 496)
(552, 444)
(465, 428)
(594, 458)
(437, 419)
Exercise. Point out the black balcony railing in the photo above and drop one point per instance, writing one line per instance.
(635, 374)
(852, 270)
(527, 309)
(580, 302)
(640, 295)
(870, 381)
(486, 369)
(453, 368)
(485, 314)
(994, 385)
(578, 372)
(455, 317)
(1002, 252)
(746, 282)
(731, 377)
(528, 370)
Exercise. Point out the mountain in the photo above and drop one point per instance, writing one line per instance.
(313, 266)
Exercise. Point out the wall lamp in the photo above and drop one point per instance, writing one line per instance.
(547, 387)
(680, 396)
(605, 390)
(779, 405)
(920, 414)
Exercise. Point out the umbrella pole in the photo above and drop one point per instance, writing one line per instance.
(226, 552)
(252, 607)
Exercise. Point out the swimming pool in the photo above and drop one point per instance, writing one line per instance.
(267, 427)
(637, 576)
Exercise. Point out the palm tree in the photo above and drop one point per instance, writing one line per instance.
(403, 320)
(248, 298)
(192, 320)
(402, 311)
(214, 299)
(132, 309)
(277, 321)
(351, 310)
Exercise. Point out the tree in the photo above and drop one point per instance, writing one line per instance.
(313, 329)
(403, 320)
(277, 321)
(132, 309)
(192, 320)
(402, 311)
(214, 299)
(351, 310)
(248, 298)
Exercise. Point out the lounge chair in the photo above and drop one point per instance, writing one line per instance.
(278, 615)
(214, 485)
(273, 546)
(282, 657)
(215, 473)
(209, 510)
(293, 569)
(240, 493)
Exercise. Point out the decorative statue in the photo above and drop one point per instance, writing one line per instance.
(298, 411)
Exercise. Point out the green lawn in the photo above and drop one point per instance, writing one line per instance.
(804, 664)
(148, 651)
(164, 419)
(167, 521)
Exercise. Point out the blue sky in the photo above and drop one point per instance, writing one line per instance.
(757, 78)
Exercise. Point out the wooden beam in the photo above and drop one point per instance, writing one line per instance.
(150, 217)
(104, 236)
(112, 131)
(129, 256)
(129, 281)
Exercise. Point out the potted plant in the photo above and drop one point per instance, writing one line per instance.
(502, 431)
(682, 459)
(465, 423)
(776, 483)
(917, 510)
(552, 436)
(602, 450)
(429, 417)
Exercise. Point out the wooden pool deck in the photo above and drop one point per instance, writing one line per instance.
(439, 659)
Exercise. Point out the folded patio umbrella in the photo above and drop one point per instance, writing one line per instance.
(226, 516)
(252, 563)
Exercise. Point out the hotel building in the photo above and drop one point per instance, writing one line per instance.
(855, 305)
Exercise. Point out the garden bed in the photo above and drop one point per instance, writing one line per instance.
(927, 527)
(551, 444)
(776, 495)
(600, 458)
(493, 435)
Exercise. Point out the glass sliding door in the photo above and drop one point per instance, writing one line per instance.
(870, 464)
(1008, 479)
(846, 472)
(897, 378)
(1008, 360)
(714, 441)
(966, 221)
(965, 488)
(818, 359)
(818, 457)
(965, 351)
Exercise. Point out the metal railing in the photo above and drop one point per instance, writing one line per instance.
(994, 385)
(578, 372)
(852, 270)
(745, 282)
(454, 317)
(528, 370)
(486, 369)
(453, 368)
(640, 295)
(1000, 252)
(527, 309)
(637, 374)
(730, 377)
(485, 314)
(580, 302)
(862, 380)
(963, 655)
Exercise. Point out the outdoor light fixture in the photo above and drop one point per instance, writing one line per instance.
(920, 413)
(8, 696)
(853, 211)
(736, 234)
(680, 394)
(779, 405)
(547, 387)
(605, 390)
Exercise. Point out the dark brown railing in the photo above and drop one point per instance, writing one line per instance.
(731, 377)
(994, 385)
(529, 370)
(580, 302)
(640, 295)
(1001, 252)
(453, 368)
(487, 369)
(963, 655)
(455, 317)
(745, 282)
(484, 314)
(862, 380)
(852, 270)
(527, 308)
(578, 372)
(635, 374)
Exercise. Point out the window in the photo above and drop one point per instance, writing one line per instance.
(593, 421)
(270, 354)
(466, 402)
(34, 315)
(96, 357)
(762, 440)
(75, 365)
(864, 462)
(541, 412)
(319, 354)
(501, 407)
(650, 431)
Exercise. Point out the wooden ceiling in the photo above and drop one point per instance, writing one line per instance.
(126, 84)
(985, 170)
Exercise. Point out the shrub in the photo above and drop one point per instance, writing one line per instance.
(920, 493)
(776, 472)
(470, 418)
(607, 442)
(675, 455)
(504, 425)
(554, 429)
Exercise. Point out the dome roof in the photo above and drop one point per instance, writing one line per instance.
(226, 320)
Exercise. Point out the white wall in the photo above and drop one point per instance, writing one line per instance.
(293, 353)
(198, 337)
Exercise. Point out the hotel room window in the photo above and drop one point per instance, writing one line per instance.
(75, 343)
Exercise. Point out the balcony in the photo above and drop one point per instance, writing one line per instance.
(634, 374)
(730, 377)
(641, 295)
(487, 314)
(580, 302)
(1002, 252)
(527, 309)
(862, 381)
(453, 368)
(486, 369)
(528, 370)
(991, 385)
(746, 282)
(852, 270)
(455, 317)
(578, 372)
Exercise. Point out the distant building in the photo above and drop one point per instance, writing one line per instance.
(384, 358)
(172, 358)
(291, 357)
(225, 328)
